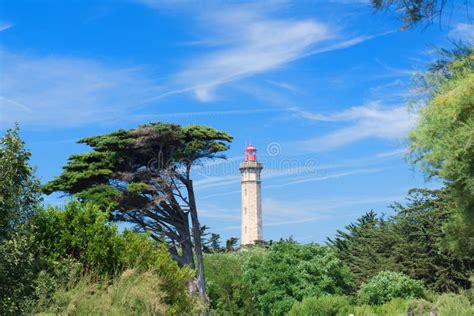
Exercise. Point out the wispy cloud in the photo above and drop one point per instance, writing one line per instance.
(368, 121)
(66, 91)
(247, 40)
(5, 26)
(281, 212)
(314, 178)
(464, 32)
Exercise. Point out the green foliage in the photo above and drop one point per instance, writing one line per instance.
(80, 232)
(452, 304)
(228, 292)
(18, 267)
(410, 242)
(19, 189)
(132, 293)
(56, 242)
(288, 272)
(386, 286)
(442, 142)
(142, 176)
(119, 169)
(395, 307)
(327, 305)
(365, 247)
(419, 251)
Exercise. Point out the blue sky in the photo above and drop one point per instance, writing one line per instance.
(319, 87)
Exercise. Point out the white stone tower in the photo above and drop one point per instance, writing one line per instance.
(251, 198)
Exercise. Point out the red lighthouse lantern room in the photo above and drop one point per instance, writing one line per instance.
(250, 153)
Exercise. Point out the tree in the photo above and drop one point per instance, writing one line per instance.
(442, 143)
(419, 253)
(287, 272)
(231, 243)
(365, 246)
(19, 189)
(417, 11)
(143, 176)
(387, 285)
(411, 242)
(229, 293)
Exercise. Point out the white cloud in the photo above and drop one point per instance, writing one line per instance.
(464, 32)
(280, 212)
(259, 44)
(67, 91)
(245, 40)
(5, 26)
(368, 121)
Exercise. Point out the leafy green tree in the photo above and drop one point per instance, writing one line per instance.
(442, 142)
(365, 246)
(229, 292)
(387, 285)
(143, 176)
(287, 272)
(19, 189)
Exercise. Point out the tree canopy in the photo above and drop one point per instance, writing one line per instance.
(143, 176)
(442, 143)
(19, 189)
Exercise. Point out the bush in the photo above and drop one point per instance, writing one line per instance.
(288, 272)
(387, 285)
(133, 293)
(228, 292)
(82, 232)
(330, 305)
(39, 259)
(395, 307)
(453, 304)
(419, 306)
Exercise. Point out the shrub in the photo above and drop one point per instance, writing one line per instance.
(82, 232)
(387, 285)
(419, 306)
(453, 304)
(395, 307)
(133, 293)
(39, 259)
(288, 272)
(330, 305)
(228, 292)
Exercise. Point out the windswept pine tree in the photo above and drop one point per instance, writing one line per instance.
(143, 176)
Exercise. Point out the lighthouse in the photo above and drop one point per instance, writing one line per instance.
(250, 169)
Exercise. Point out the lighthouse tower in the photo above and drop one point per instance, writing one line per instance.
(251, 198)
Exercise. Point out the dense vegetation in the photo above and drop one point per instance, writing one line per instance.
(74, 260)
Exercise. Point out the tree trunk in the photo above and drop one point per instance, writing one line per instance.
(187, 246)
(197, 241)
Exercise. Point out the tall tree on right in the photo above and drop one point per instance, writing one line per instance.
(442, 143)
